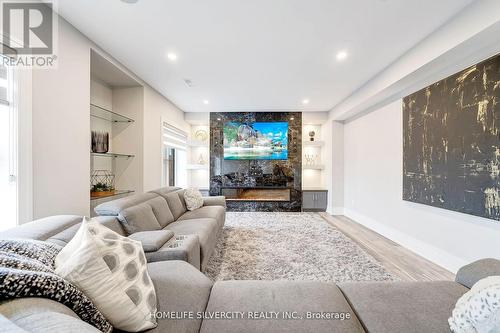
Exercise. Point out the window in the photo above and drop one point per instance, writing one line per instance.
(8, 149)
(174, 156)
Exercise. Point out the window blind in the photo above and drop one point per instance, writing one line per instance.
(4, 74)
(4, 99)
(174, 137)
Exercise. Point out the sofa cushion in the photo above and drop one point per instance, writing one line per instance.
(179, 287)
(281, 297)
(114, 207)
(206, 229)
(177, 207)
(152, 240)
(112, 223)
(388, 307)
(42, 229)
(65, 236)
(139, 218)
(162, 191)
(161, 210)
(216, 212)
(42, 315)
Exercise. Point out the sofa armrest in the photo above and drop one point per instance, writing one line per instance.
(471, 273)
(215, 201)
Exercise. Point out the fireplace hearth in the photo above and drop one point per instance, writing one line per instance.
(256, 194)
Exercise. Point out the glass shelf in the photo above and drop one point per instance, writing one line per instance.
(108, 115)
(313, 167)
(117, 192)
(115, 155)
(313, 143)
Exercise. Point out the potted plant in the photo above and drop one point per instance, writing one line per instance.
(101, 190)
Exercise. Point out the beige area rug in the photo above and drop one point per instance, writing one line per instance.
(289, 246)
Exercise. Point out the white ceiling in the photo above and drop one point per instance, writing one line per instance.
(257, 55)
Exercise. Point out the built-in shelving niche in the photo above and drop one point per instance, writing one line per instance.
(198, 151)
(116, 101)
(312, 155)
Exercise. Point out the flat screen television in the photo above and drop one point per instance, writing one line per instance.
(256, 141)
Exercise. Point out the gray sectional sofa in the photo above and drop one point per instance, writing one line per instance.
(196, 304)
(142, 216)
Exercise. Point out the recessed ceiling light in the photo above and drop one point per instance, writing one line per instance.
(206, 102)
(341, 55)
(305, 101)
(172, 56)
(130, 1)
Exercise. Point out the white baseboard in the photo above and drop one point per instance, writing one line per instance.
(429, 252)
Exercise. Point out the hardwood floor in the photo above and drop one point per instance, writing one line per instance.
(398, 260)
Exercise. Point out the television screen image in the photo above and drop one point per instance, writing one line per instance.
(256, 141)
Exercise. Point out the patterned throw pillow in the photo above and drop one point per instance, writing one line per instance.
(193, 198)
(478, 310)
(27, 270)
(111, 270)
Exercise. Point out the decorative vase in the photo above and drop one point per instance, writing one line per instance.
(311, 135)
(100, 142)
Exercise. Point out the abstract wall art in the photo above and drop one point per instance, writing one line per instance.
(451, 142)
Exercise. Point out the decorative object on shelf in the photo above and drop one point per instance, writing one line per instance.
(201, 135)
(309, 159)
(100, 142)
(102, 183)
(201, 160)
(311, 135)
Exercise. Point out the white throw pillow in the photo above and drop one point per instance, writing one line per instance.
(193, 198)
(111, 270)
(478, 310)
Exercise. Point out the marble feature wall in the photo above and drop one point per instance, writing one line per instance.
(451, 132)
(227, 174)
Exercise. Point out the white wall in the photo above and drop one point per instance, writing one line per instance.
(128, 138)
(337, 171)
(156, 108)
(61, 128)
(373, 197)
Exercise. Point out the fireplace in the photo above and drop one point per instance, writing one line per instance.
(256, 194)
(257, 185)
